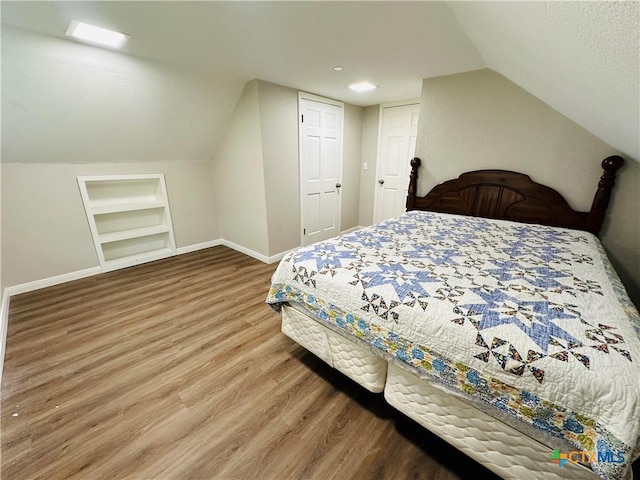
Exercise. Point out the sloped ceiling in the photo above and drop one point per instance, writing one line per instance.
(391, 44)
(581, 58)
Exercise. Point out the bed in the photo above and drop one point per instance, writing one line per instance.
(488, 313)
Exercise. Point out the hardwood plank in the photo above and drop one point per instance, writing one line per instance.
(177, 370)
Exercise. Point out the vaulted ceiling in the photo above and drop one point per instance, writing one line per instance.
(582, 58)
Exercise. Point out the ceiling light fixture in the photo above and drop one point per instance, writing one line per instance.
(96, 35)
(362, 87)
(338, 68)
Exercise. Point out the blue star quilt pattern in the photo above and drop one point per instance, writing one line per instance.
(536, 309)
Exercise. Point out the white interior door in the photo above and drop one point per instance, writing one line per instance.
(399, 128)
(320, 167)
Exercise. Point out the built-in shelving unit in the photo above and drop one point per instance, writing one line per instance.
(129, 218)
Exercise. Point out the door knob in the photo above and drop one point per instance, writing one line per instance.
(381, 182)
(338, 185)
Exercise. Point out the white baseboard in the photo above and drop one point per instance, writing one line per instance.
(252, 253)
(234, 246)
(273, 258)
(51, 281)
(246, 251)
(278, 256)
(88, 272)
(199, 246)
(4, 325)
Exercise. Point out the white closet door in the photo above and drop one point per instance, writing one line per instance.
(397, 147)
(321, 169)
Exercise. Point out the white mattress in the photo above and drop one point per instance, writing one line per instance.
(497, 446)
(355, 361)
(500, 447)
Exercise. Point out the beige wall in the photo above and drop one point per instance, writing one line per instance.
(2, 281)
(70, 109)
(66, 102)
(481, 120)
(249, 193)
(44, 225)
(350, 191)
(239, 177)
(279, 133)
(276, 119)
(369, 151)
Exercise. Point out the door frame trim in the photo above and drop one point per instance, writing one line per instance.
(401, 103)
(316, 98)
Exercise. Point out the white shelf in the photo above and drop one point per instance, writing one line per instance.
(133, 233)
(129, 218)
(100, 209)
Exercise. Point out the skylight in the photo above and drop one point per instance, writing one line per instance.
(96, 35)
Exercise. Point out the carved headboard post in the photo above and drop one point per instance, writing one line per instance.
(413, 183)
(600, 203)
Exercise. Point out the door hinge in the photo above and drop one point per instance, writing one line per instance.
(302, 120)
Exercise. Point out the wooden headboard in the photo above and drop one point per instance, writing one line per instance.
(513, 196)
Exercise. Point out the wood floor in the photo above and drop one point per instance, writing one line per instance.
(177, 370)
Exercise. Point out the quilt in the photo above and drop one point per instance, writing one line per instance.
(530, 319)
